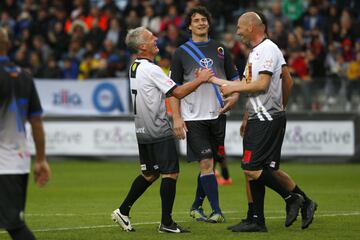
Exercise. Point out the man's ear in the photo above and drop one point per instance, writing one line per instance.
(141, 47)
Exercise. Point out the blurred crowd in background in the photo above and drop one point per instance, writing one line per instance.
(84, 39)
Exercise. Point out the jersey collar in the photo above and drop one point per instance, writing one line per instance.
(144, 59)
(199, 43)
(259, 43)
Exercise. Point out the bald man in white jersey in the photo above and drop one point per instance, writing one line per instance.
(266, 123)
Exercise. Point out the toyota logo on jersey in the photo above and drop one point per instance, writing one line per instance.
(206, 62)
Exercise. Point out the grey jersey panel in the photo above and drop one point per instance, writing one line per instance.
(149, 86)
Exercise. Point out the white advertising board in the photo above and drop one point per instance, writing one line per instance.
(100, 138)
(302, 138)
(100, 97)
(117, 138)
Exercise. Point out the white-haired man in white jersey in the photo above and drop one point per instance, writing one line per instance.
(157, 150)
(266, 123)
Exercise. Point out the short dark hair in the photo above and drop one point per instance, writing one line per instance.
(200, 10)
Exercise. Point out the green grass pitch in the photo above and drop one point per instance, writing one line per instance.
(81, 195)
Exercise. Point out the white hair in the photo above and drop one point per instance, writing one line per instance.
(133, 38)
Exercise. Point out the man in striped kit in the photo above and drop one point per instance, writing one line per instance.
(265, 130)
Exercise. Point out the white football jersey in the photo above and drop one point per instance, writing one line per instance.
(265, 58)
(149, 87)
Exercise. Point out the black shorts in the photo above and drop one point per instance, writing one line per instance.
(160, 157)
(12, 200)
(262, 143)
(205, 139)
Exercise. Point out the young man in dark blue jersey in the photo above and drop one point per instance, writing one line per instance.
(199, 116)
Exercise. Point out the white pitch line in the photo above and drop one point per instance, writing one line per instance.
(147, 213)
(150, 223)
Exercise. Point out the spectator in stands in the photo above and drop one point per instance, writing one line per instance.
(99, 16)
(236, 50)
(298, 66)
(78, 31)
(40, 46)
(21, 56)
(151, 21)
(88, 66)
(52, 70)
(110, 5)
(346, 30)
(76, 50)
(173, 36)
(96, 35)
(7, 21)
(42, 23)
(35, 64)
(171, 18)
(276, 14)
(331, 18)
(116, 33)
(293, 9)
(347, 51)
(333, 74)
(353, 76)
(11, 7)
(69, 69)
(334, 35)
(279, 35)
(117, 63)
(313, 19)
(58, 39)
(133, 20)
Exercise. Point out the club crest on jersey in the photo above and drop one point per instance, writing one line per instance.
(221, 52)
(206, 62)
(268, 63)
(169, 82)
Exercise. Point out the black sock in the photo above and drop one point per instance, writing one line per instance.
(257, 189)
(167, 193)
(269, 180)
(225, 172)
(250, 211)
(22, 233)
(299, 191)
(138, 187)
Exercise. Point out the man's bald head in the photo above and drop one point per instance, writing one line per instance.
(250, 28)
(251, 18)
(4, 41)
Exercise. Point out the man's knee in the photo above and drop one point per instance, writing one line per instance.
(252, 175)
(170, 175)
(206, 166)
(151, 178)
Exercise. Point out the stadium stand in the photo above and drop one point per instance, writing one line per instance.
(84, 39)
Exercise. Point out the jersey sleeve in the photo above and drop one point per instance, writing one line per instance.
(282, 59)
(161, 81)
(268, 60)
(35, 108)
(176, 68)
(231, 70)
